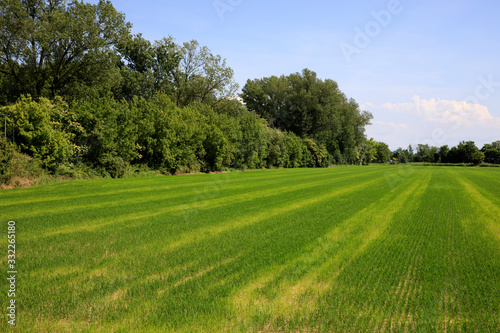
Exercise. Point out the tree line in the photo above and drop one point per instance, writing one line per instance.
(466, 152)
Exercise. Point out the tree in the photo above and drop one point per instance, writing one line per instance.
(295, 150)
(453, 156)
(423, 153)
(492, 156)
(110, 133)
(201, 76)
(252, 150)
(269, 97)
(411, 153)
(402, 155)
(310, 108)
(378, 151)
(465, 151)
(382, 152)
(147, 68)
(495, 145)
(49, 47)
(443, 153)
(492, 152)
(477, 157)
(366, 152)
(277, 153)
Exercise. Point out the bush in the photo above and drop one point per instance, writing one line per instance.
(295, 148)
(43, 129)
(315, 155)
(7, 152)
(477, 157)
(79, 171)
(17, 169)
(277, 151)
(252, 148)
(110, 131)
(114, 165)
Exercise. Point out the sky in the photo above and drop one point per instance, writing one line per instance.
(428, 71)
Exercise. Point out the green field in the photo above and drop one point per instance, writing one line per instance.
(346, 249)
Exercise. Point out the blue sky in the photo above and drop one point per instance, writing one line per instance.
(429, 71)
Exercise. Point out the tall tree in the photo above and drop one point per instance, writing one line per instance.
(466, 150)
(50, 47)
(492, 152)
(311, 108)
(382, 152)
(443, 153)
(147, 68)
(201, 76)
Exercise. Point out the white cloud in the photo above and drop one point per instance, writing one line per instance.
(441, 110)
(433, 121)
(398, 127)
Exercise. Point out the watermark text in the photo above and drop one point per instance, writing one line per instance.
(11, 272)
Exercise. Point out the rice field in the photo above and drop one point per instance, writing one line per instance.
(346, 249)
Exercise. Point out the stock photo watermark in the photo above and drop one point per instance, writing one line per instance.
(363, 37)
(11, 272)
(222, 7)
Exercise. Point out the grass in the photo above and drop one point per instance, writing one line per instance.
(359, 249)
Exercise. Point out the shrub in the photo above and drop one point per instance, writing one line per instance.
(43, 129)
(477, 157)
(316, 155)
(79, 170)
(295, 148)
(114, 165)
(252, 150)
(277, 151)
(17, 169)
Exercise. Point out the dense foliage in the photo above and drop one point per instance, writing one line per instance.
(110, 135)
(52, 47)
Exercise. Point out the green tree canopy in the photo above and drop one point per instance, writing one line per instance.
(147, 68)
(51, 47)
(201, 76)
(492, 152)
(311, 108)
(380, 151)
(465, 151)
